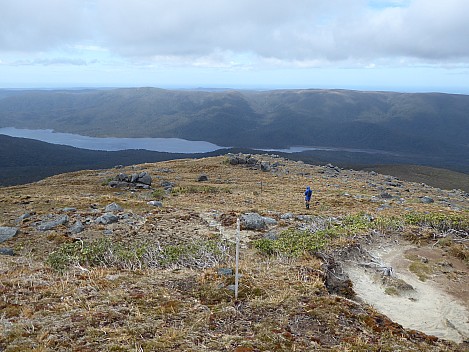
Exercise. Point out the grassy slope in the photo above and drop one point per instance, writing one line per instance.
(283, 304)
(435, 177)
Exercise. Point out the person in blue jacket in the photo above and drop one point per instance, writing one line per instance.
(308, 194)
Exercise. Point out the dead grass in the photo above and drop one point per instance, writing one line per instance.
(283, 303)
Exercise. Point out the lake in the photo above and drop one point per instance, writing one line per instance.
(170, 145)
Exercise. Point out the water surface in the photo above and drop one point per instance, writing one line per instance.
(170, 145)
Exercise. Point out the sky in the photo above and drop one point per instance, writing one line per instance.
(400, 45)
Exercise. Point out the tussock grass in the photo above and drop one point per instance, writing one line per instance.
(154, 284)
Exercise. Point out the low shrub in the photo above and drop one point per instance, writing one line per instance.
(106, 253)
(293, 243)
(439, 221)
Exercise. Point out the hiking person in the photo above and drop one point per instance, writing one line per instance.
(308, 194)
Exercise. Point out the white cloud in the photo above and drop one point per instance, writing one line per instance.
(227, 33)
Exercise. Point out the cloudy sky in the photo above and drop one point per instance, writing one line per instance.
(403, 45)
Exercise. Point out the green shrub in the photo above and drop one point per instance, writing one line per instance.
(106, 253)
(158, 194)
(204, 189)
(439, 221)
(293, 243)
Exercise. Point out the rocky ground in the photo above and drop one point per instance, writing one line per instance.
(142, 258)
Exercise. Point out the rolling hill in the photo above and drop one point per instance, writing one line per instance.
(408, 124)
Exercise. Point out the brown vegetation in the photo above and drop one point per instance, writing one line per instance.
(143, 292)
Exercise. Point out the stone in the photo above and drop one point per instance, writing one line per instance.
(7, 232)
(167, 185)
(50, 224)
(202, 178)
(107, 218)
(265, 166)
(77, 227)
(385, 195)
(252, 221)
(251, 161)
(133, 178)
(269, 221)
(144, 178)
(24, 217)
(122, 177)
(113, 207)
(286, 216)
(155, 203)
(7, 251)
(69, 210)
(225, 271)
(426, 200)
(118, 184)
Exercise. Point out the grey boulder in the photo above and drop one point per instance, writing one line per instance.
(7, 232)
(50, 224)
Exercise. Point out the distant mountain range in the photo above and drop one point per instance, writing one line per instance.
(428, 129)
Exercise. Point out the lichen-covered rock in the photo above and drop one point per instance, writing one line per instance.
(77, 227)
(252, 221)
(113, 207)
(107, 218)
(7, 232)
(47, 225)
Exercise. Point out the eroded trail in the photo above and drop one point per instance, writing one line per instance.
(426, 293)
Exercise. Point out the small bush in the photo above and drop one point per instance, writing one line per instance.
(203, 189)
(293, 243)
(439, 221)
(158, 194)
(105, 253)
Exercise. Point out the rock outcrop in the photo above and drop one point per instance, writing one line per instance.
(141, 180)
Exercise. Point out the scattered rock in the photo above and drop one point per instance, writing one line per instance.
(113, 207)
(286, 216)
(69, 210)
(107, 218)
(394, 184)
(202, 178)
(142, 179)
(7, 251)
(265, 166)
(241, 159)
(7, 232)
(50, 224)
(385, 195)
(269, 221)
(77, 227)
(24, 217)
(225, 271)
(167, 185)
(155, 203)
(254, 221)
(426, 200)
(384, 207)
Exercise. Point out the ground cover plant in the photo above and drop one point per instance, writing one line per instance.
(162, 278)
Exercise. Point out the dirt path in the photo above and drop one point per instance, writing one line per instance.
(426, 291)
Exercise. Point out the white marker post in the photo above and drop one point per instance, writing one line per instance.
(237, 259)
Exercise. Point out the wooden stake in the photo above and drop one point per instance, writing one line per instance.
(237, 259)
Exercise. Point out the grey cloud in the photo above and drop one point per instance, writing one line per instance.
(299, 31)
(39, 25)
